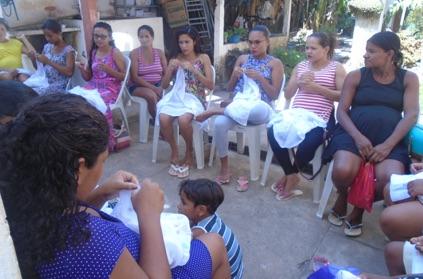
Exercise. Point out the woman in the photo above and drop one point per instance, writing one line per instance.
(315, 84)
(58, 59)
(147, 68)
(52, 157)
(372, 127)
(267, 72)
(11, 51)
(198, 76)
(105, 70)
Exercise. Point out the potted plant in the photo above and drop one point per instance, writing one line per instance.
(236, 34)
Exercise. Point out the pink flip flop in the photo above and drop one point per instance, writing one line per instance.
(242, 184)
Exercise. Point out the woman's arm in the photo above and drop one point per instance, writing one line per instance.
(237, 72)
(272, 88)
(292, 86)
(163, 61)
(120, 63)
(207, 78)
(170, 71)
(66, 70)
(411, 113)
(347, 95)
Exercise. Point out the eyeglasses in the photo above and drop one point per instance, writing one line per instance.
(100, 36)
(255, 42)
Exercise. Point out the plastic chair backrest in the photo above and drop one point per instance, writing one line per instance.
(125, 80)
(123, 41)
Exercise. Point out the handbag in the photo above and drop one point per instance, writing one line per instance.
(362, 191)
(122, 138)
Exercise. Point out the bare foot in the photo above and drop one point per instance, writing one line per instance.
(187, 161)
(208, 113)
(292, 181)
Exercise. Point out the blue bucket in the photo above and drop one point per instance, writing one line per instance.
(416, 139)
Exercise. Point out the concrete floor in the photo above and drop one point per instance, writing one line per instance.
(276, 236)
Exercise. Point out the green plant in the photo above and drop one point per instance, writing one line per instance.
(289, 57)
(242, 32)
(409, 45)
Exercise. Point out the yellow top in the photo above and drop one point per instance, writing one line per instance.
(11, 54)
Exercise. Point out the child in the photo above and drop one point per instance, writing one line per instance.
(199, 200)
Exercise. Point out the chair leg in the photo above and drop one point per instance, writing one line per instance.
(198, 145)
(269, 157)
(240, 142)
(212, 151)
(143, 122)
(254, 150)
(318, 180)
(155, 142)
(125, 119)
(327, 189)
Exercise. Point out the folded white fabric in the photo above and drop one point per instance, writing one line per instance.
(92, 96)
(398, 189)
(175, 228)
(412, 258)
(291, 125)
(343, 274)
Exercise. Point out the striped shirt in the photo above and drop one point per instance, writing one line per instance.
(150, 72)
(214, 224)
(316, 103)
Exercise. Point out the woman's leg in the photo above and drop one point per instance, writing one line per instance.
(150, 96)
(218, 253)
(222, 124)
(383, 172)
(394, 258)
(166, 127)
(402, 221)
(259, 114)
(345, 168)
(185, 126)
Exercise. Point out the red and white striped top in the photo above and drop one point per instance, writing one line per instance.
(150, 72)
(316, 103)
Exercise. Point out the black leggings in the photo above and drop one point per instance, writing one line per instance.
(305, 150)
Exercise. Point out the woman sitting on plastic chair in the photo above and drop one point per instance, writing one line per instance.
(267, 72)
(371, 124)
(105, 70)
(318, 81)
(147, 69)
(198, 76)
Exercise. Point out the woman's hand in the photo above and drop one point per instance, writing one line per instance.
(306, 81)
(364, 146)
(120, 180)
(187, 66)
(105, 68)
(416, 168)
(42, 58)
(415, 188)
(418, 241)
(173, 64)
(158, 90)
(253, 74)
(149, 199)
(379, 153)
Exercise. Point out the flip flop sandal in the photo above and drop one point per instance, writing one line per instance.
(335, 219)
(242, 184)
(290, 195)
(222, 180)
(173, 170)
(353, 230)
(183, 172)
(275, 187)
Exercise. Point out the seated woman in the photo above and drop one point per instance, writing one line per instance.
(198, 76)
(372, 127)
(315, 84)
(52, 157)
(147, 68)
(105, 70)
(11, 51)
(58, 59)
(267, 72)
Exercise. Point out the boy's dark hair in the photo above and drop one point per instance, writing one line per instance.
(13, 95)
(203, 192)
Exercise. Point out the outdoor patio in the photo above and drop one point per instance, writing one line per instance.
(276, 237)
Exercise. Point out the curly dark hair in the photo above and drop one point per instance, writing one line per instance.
(39, 162)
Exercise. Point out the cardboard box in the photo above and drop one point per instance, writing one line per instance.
(175, 13)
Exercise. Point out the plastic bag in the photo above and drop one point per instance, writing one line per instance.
(239, 109)
(92, 96)
(362, 192)
(38, 79)
(334, 272)
(175, 228)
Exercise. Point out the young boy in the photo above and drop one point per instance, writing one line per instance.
(199, 200)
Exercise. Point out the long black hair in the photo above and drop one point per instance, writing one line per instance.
(106, 26)
(192, 32)
(39, 163)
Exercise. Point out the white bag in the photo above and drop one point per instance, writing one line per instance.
(92, 96)
(175, 228)
(38, 79)
(240, 107)
(177, 102)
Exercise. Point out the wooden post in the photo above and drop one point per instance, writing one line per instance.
(88, 9)
(286, 17)
(219, 25)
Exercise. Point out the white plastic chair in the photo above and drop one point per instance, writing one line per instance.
(327, 190)
(253, 134)
(197, 133)
(9, 267)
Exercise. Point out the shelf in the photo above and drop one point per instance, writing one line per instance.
(40, 32)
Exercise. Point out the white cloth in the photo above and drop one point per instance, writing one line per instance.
(398, 189)
(291, 125)
(412, 258)
(38, 79)
(175, 228)
(344, 274)
(92, 96)
(177, 102)
(242, 104)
